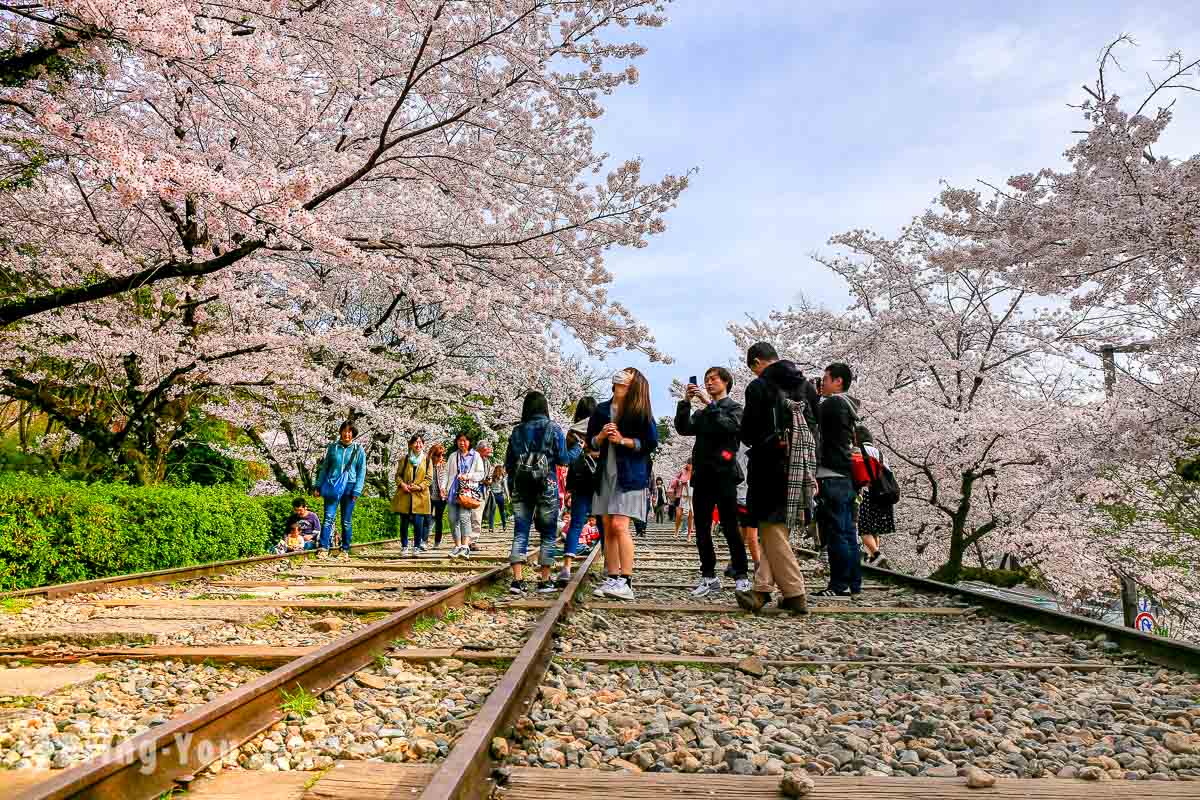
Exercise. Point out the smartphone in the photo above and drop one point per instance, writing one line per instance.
(692, 381)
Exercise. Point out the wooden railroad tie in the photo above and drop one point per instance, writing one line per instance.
(714, 608)
(365, 780)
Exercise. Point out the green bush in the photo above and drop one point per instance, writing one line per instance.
(56, 531)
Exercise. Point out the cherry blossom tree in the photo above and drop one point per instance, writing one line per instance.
(956, 371)
(289, 213)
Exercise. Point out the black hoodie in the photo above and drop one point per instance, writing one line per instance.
(766, 417)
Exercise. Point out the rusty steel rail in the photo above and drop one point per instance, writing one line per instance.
(1159, 650)
(56, 590)
(464, 774)
(1172, 653)
(147, 765)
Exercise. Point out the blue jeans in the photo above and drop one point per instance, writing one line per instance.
(497, 505)
(541, 513)
(581, 508)
(420, 526)
(837, 510)
(331, 509)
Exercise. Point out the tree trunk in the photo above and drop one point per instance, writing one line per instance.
(1129, 600)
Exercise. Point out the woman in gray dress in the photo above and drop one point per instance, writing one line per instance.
(624, 432)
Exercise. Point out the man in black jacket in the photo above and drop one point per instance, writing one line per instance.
(765, 426)
(838, 415)
(715, 473)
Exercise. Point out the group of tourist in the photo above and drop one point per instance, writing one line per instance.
(793, 456)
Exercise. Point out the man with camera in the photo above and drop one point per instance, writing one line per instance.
(715, 472)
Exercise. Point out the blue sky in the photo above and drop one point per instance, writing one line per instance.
(806, 120)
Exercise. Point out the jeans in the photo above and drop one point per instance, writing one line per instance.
(541, 513)
(497, 505)
(420, 525)
(439, 508)
(581, 508)
(460, 524)
(709, 495)
(332, 504)
(837, 513)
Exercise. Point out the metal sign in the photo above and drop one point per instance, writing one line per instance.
(1144, 622)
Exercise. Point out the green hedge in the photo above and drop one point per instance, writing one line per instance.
(57, 531)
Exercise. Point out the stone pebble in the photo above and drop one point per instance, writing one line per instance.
(128, 698)
(1113, 724)
(409, 713)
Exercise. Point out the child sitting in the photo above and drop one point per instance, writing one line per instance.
(310, 525)
(590, 534)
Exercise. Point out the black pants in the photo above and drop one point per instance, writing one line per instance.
(721, 495)
(439, 510)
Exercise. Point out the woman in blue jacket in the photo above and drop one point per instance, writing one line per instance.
(624, 432)
(339, 483)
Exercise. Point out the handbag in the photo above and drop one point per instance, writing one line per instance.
(335, 485)
(884, 488)
(469, 496)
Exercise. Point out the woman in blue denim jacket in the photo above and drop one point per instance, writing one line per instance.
(344, 467)
(624, 431)
(538, 505)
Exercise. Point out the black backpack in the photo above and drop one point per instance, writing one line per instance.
(884, 488)
(533, 469)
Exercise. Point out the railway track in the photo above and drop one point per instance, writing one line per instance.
(458, 690)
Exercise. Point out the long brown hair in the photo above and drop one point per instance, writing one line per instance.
(636, 414)
(437, 453)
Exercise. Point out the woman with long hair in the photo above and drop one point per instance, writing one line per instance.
(411, 502)
(535, 450)
(581, 485)
(624, 432)
(498, 487)
(437, 474)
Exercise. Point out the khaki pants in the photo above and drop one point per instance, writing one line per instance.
(778, 566)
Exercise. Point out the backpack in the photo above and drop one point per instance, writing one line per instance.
(884, 488)
(533, 469)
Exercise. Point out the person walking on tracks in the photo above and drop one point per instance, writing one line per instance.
(463, 492)
(660, 501)
(624, 431)
(411, 501)
(340, 482)
(535, 450)
(715, 474)
(876, 514)
(437, 492)
(777, 427)
(582, 481)
(838, 415)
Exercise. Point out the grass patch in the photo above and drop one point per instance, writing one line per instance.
(14, 605)
(269, 621)
(19, 701)
(424, 625)
(454, 615)
(374, 616)
(215, 596)
(311, 782)
(380, 660)
(324, 596)
(301, 702)
(490, 592)
(401, 643)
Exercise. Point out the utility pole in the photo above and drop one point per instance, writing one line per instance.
(1108, 356)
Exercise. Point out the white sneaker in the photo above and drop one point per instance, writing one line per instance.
(742, 585)
(454, 551)
(620, 590)
(706, 587)
(602, 589)
(408, 552)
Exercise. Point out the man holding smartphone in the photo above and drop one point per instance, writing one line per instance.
(715, 472)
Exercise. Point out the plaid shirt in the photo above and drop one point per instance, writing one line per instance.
(802, 468)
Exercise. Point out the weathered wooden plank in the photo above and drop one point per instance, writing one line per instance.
(251, 785)
(358, 606)
(374, 781)
(15, 781)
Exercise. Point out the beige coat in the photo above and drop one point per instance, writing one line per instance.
(417, 502)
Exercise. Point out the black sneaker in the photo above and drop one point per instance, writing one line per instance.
(517, 587)
(729, 572)
(546, 587)
(831, 593)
